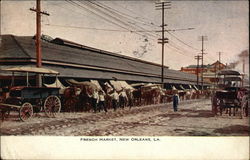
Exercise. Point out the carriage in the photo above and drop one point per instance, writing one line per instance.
(29, 99)
(230, 94)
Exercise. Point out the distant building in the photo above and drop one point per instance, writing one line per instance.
(209, 71)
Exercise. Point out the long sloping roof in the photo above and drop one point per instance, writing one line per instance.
(82, 61)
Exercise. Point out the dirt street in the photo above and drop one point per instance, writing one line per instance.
(194, 118)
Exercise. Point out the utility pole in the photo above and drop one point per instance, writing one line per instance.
(162, 6)
(197, 68)
(38, 39)
(219, 58)
(203, 38)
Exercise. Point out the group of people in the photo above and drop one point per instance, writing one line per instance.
(119, 100)
(99, 103)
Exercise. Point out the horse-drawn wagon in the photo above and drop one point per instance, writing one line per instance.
(230, 94)
(29, 99)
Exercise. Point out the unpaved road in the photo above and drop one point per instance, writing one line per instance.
(194, 118)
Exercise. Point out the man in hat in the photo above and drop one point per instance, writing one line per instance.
(115, 99)
(102, 104)
(176, 100)
(123, 98)
(95, 100)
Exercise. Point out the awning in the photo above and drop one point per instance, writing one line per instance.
(31, 70)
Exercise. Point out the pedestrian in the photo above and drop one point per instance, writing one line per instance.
(130, 98)
(101, 104)
(95, 99)
(115, 99)
(176, 100)
(123, 98)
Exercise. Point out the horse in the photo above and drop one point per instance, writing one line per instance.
(129, 93)
(70, 99)
(137, 97)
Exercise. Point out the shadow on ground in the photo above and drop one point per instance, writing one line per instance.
(234, 129)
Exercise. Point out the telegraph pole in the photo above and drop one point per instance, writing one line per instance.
(203, 38)
(197, 68)
(38, 39)
(162, 6)
(219, 59)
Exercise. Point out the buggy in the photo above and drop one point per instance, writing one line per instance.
(230, 94)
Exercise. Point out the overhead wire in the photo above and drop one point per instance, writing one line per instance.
(120, 23)
(135, 19)
(85, 8)
(113, 15)
(177, 48)
(176, 38)
(182, 41)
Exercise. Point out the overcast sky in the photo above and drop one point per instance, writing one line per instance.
(119, 26)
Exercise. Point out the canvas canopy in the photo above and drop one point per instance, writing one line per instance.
(84, 83)
(137, 84)
(31, 69)
(119, 85)
(58, 84)
(96, 83)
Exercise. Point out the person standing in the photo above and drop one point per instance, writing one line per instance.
(176, 100)
(123, 98)
(95, 99)
(115, 99)
(101, 103)
(130, 98)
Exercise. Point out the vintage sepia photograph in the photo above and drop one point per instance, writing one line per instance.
(126, 73)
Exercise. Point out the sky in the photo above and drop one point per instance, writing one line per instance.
(119, 27)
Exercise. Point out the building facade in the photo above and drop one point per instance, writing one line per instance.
(209, 71)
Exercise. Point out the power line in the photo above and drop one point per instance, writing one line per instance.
(182, 41)
(135, 28)
(82, 7)
(135, 19)
(123, 20)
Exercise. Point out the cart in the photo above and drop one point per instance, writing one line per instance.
(29, 99)
(230, 94)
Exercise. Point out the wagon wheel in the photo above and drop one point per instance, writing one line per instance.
(52, 106)
(25, 111)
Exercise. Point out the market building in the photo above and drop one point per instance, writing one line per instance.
(81, 62)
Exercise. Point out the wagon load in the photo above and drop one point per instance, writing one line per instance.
(77, 96)
(119, 85)
(57, 84)
(151, 93)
